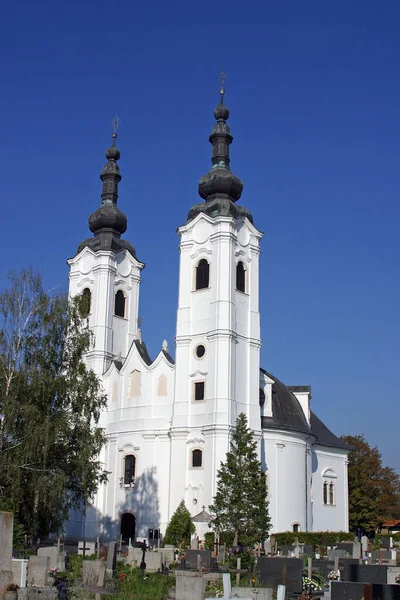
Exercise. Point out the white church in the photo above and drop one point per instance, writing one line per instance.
(169, 421)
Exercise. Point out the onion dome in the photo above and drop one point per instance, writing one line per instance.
(108, 222)
(220, 188)
(220, 181)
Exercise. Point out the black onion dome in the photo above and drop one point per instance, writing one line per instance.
(108, 222)
(220, 181)
(108, 216)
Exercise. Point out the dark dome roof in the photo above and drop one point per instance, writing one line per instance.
(287, 412)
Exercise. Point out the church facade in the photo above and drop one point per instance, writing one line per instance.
(169, 421)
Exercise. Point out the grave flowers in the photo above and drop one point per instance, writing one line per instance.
(311, 585)
(397, 580)
(333, 575)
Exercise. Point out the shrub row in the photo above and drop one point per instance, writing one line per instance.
(314, 538)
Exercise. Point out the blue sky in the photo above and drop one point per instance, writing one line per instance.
(314, 93)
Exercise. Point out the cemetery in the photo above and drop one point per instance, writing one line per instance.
(342, 570)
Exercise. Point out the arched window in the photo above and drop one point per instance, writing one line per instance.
(240, 277)
(197, 458)
(296, 527)
(86, 302)
(325, 492)
(119, 306)
(135, 384)
(202, 274)
(331, 493)
(130, 464)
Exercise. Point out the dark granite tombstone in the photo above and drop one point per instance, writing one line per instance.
(377, 555)
(191, 558)
(323, 566)
(336, 553)
(284, 571)
(308, 549)
(357, 573)
(112, 556)
(347, 546)
(341, 590)
(385, 543)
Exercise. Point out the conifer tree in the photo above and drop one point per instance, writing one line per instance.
(50, 405)
(240, 505)
(180, 527)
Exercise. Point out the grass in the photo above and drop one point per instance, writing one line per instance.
(132, 586)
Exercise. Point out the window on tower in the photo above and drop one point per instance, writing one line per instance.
(86, 303)
(197, 458)
(202, 275)
(325, 492)
(130, 464)
(240, 277)
(199, 390)
(119, 306)
(331, 493)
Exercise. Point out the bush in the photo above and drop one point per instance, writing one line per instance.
(315, 538)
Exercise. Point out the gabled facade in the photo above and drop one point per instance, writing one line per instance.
(169, 423)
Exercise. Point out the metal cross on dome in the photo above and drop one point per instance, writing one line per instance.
(222, 79)
(116, 122)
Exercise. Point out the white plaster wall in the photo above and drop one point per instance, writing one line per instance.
(285, 458)
(327, 517)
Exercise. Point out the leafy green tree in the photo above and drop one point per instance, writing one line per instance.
(180, 528)
(50, 405)
(374, 490)
(240, 505)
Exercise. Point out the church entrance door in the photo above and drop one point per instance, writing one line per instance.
(128, 527)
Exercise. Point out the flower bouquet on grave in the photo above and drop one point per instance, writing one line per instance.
(333, 575)
(311, 585)
(397, 579)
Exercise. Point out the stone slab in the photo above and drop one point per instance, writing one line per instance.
(364, 573)
(392, 573)
(38, 571)
(20, 569)
(189, 586)
(112, 556)
(191, 558)
(91, 570)
(284, 571)
(385, 543)
(347, 546)
(6, 577)
(341, 590)
(252, 593)
(56, 560)
(6, 537)
(153, 559)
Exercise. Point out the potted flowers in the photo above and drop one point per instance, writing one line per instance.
(11, 592)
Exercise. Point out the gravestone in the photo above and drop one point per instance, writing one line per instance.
(283, 571)
(356, 550)
(308, 549)
(268, 547)
(30, 593)
(19, 569)
(194, 544)
(112, 556)
(86, 548)
(336, 553)
(364, 544)
(357, 573)
(38, 571)
(346, 546)
(323, 566)
(57, 560)
(91, 570)
(378, 555)
(191, 558)
(189, 586)
(341, 590)
(286, 550)
(385, 543)
(6, 537)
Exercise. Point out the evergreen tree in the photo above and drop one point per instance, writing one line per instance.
(180, 528)
(240, 505)
(50, 405)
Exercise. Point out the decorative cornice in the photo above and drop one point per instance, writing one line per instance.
(195, 441)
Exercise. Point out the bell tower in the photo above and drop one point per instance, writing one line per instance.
(106, 270)
(218, 322)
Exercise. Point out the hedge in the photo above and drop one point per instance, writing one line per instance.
(314, 538)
